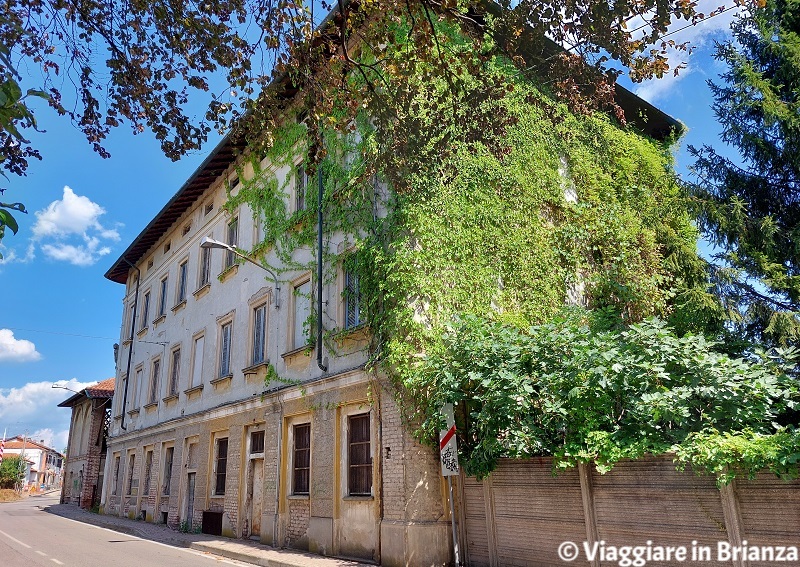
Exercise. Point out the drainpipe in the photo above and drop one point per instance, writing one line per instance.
(130, 348)
(323, 365)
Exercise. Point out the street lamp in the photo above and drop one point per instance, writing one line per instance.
(56, 385)
(208, 242)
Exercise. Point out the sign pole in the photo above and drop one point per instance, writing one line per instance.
(453, 521)
(449, 459)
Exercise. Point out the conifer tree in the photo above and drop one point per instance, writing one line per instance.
(749, 209)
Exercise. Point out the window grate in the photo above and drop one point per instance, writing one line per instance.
(359, 455)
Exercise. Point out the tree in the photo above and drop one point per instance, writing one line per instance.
(750, 209)
(12, 470)
(140, 63)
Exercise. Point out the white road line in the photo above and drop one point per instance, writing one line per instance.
(15, 540)
(56, 561)
(41, 553)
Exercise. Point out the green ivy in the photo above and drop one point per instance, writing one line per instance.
(448, 217)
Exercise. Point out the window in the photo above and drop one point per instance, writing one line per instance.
(300, 186)
(115, 486)
(186, 229)
(222, 466)
(131, 463)
(145, 310)
(182, 271)
(359, 457)
(302, 311)
(259, 221)
(119, 392)
(153, 397)
(148, 465)
(259, 334)
(301, 459)
(257, 442)
(352, 299)
(130, 324)
(197, 361)
(208, 208)
(205, 267)
(169, 453)
(225, 350)
(175, 372)
(162, 297)
(167, 247)
(137, 383)
(233, 240)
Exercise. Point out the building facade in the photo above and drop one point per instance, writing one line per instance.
(86, 448)
(203, 434)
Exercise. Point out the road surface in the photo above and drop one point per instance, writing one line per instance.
(31, 537)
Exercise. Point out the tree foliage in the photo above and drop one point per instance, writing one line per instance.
(575, 390)
(108, 63)
(749, 208)
(11, 471)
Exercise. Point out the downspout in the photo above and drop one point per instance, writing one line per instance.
(130, 347)
(320, 188)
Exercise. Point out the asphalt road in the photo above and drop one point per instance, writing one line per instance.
(31, 537)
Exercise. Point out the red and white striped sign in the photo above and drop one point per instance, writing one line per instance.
(448, 450)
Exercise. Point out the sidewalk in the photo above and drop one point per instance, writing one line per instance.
(238, 549)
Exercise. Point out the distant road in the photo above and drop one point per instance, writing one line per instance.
(30, 537)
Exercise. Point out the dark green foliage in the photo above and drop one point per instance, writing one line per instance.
(578, 392)
(751, 212)
(11, 471)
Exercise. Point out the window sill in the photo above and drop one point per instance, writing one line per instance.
(222, 380)
(297, 497)
(141, 332)
(353, 337)
(358, 498)
(255, 369)
(159, 319)
(126, 342)
(133, 412)
(201, 291)
(228, 272)
(170, 398)
(179, 306)
(305, 349)
(150, 406)
(193, 390)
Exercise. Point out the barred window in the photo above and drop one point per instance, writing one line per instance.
(168, 456)
(222, 466)
(359, 481)
(301, 461)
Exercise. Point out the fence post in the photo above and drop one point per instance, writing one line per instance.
(733, 519)
(587, 496)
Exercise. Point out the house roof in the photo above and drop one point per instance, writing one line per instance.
(644, 116)
(101, 390)
(19, 443)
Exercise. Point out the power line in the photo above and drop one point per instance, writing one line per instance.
(57, 333)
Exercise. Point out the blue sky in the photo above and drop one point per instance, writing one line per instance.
(59, 317)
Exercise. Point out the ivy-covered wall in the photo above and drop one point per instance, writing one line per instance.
(450, 214)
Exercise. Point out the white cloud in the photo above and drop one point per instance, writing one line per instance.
(73, 214)
(16, 350)
(700, 37)
(61, 224)
(10, 255)
(34, 408)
